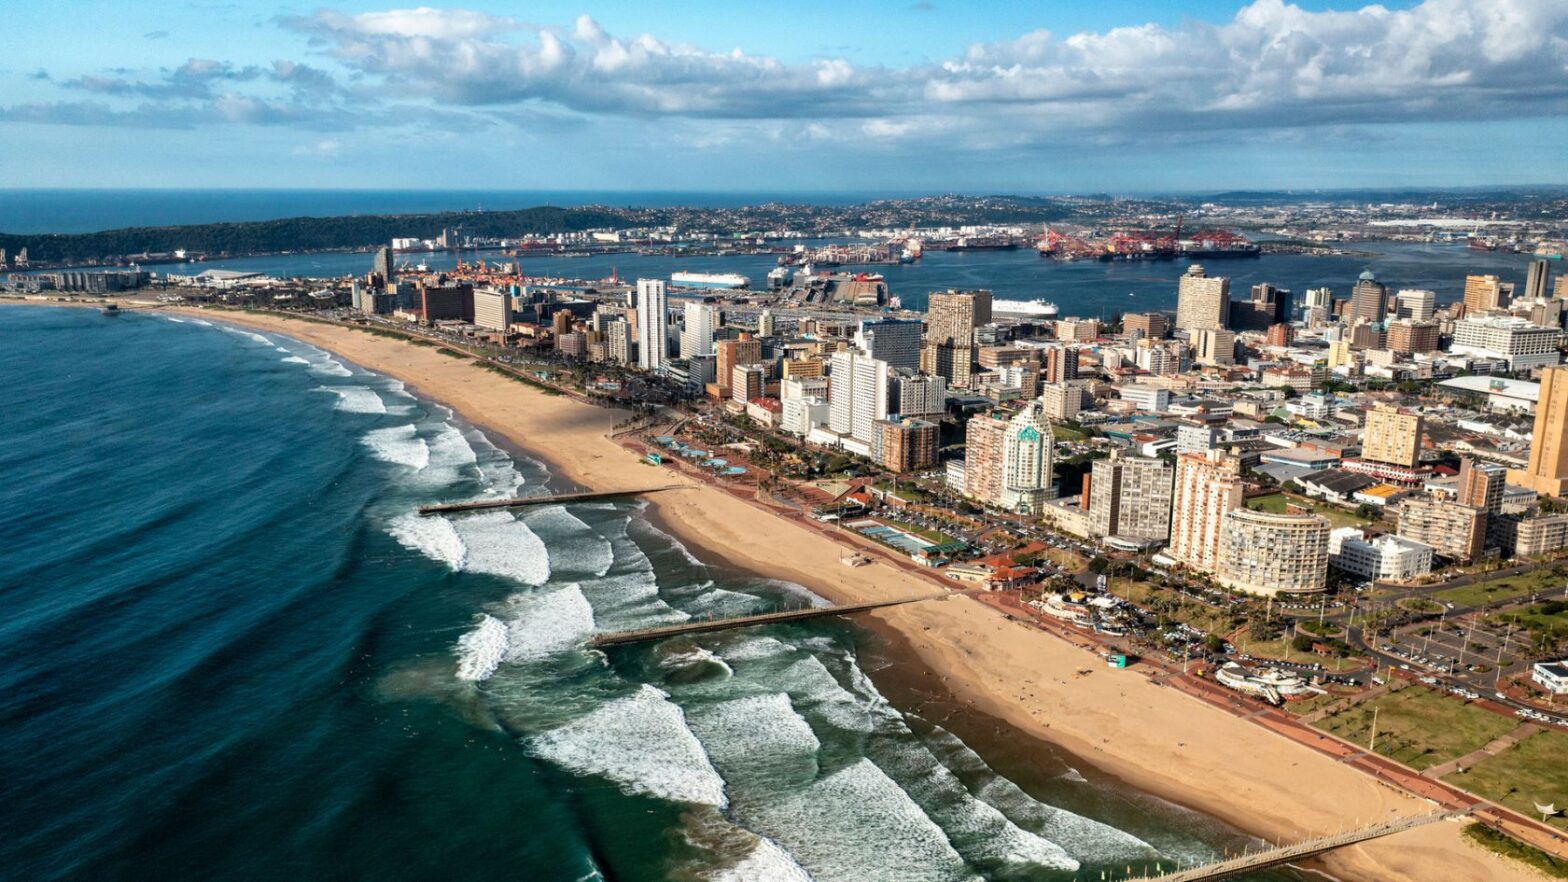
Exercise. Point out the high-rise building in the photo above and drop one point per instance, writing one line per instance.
(729, 353)
(1130, 497)
(765, 324)
(1214, 347)
(1547, 470)
(1270, 305)
(1392, 436)
(1061, 401)
(916, 394)
(1537, 281)
(653, 320)
(1409, 336)
(1456, 530)
(1515, 340)
(1484, 294)
(620, 342)
(1061, 364)
(1481, 484)
(895, 341)
(951, 320)
(561, 322)
(385, 267)
(1280, 335)
(1207, 486)
(493, 309)
(1368, 300)
(1415, 303)
(985, 446)
(1560, 287)
(1029, 452)
(746, 382)
(857, 394)
(1271, 554)
(908, 444)
(1201, 300)
(697, 335)
(1147, 325)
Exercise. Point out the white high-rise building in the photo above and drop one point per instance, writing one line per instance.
(697, 336)
(857, 394)
(1028, 459)
(653, 321)
(915, 394)
(1415, 303)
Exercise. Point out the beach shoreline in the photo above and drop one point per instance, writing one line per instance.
(1154, 739)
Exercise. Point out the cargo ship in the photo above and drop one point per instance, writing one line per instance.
(709, 280)
(1030, 308)
(1213, 244)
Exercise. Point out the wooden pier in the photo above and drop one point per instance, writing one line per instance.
(1275, 857)
(709, 625)
(545, 499)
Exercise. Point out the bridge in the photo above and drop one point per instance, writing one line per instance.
(705, 626)
(545, 499)
(1275, 857)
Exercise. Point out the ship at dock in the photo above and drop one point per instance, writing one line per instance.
(709, 280)
(1034, 309)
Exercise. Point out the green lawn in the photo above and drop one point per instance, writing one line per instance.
(1500, 589)
(936, 536)
(1064, 433)
(1419, 727)
(1337, 517)
(1547, 629)
(1534, 770)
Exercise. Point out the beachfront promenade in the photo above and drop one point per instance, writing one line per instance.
(1276, 857)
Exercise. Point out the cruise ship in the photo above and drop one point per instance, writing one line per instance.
(709, 280)
(1039, 309)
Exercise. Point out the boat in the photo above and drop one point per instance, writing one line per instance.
(1031, 308)
(709, 280)
(111, 309)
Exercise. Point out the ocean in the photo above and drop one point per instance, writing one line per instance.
(230, 650)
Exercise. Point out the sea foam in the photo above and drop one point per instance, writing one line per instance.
(356, 399)
(398, 444)
(434, 537)
(479, 652)
(545, 623)
(501, 545)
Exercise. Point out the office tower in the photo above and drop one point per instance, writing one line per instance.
(1481, 484)
(493, 310)
(1319, 298)
(1271, 554)
(653, 320)
(895, 341)
(697, 336)
(1456, 530)
(1484, 294)
(1537, 281)
(1415, 303)
(1269, 305)
(561, 322)
(444, 303)
(985, 445)
(1061, 364)
(1368, 300)
(951, 320)
(1515, 340)
(907, 444)
(730, 353)
(1207, 486)
(1201, 300)
(857, 394)
(1408, 336)
(384, 266)
(1547, 471)
(1392, 436)
(765, 324)
(746, 382)
(802, 367)
(1367, 335)
(1148, 325)
(1130, 497)
(1029, 451)
(1214, 347)
(916, 394)
(1061, 401)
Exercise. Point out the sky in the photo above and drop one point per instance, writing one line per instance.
(1051, 96)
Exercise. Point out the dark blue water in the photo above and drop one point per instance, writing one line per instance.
(82, 211)
(229, 650)
(1086, 288)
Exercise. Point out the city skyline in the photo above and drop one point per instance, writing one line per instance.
(892, 96)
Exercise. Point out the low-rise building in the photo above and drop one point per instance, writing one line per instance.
(1551, 676)
(1388, 558)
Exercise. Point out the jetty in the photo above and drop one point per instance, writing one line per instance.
(1281, 855)
(705, 626)
(544, 499)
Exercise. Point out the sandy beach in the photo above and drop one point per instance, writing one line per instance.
(1154, 738)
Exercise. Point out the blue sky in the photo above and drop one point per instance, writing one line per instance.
(906, 96)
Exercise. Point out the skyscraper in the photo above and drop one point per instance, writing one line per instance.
(1130, 496)
(1484, 294)
(1392, 436)
(1029, 451)
(653, 320)
(895, 341)
(1269, 305)
(1416, 304)
(951, 319)
(984, 452)
(1481, 484)
(857, 394)
(1201, 300)
(1368, 300)
(1207, 486)
(1537, 282)
(1547, 471)
(384, 266)
(697, 336)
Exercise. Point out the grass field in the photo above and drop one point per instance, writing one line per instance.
(1283, 651)
(1534, 770)
(1337, 517)
(1505, 588)
(1419, 727)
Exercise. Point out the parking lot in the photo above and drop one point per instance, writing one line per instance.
(1464, 645)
